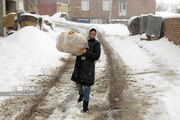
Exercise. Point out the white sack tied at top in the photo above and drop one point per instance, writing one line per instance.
(71, 42)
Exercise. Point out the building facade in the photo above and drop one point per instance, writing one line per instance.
(8, 6)
(104, 11)
(50, 7)
(30, 5)
(62, 7)
(46, 8)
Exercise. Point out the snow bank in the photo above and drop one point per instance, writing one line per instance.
(58, 17)
(166, 50)
(27, 53)
(168, 55)
(114, 29)
(158, 63)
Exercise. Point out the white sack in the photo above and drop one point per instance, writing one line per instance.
(71, 42)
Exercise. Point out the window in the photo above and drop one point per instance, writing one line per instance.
(106, 5)
(96, 21)
(122, 9)
(85, 5)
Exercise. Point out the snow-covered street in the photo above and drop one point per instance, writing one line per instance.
(135, 79)
(154, 73)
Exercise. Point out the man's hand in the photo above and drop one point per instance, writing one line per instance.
(83, 51)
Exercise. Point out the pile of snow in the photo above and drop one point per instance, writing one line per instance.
(114, 29)
(27, 53)
(167, 50)
(58, 17)
(167, 56)
(29, 14)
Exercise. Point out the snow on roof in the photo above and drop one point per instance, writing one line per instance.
(131, 19)
(29, 14)
(11, 13)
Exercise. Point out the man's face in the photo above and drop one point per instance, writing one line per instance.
(92, 34)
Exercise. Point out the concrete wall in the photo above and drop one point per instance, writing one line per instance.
(172, 30)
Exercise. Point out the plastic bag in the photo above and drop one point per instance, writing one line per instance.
(71, 42)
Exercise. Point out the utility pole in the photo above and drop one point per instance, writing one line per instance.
(2, 14)
(17, 5)
(110, 10)
(69, 9)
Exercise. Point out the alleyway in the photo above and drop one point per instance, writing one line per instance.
(131, 84)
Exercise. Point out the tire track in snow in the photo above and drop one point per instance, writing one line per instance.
(33, 111)
(117, 75)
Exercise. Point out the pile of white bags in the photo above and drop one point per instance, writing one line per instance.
(71, 42)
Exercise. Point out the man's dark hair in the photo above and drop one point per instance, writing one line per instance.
(93, 30)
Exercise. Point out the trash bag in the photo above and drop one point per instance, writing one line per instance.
(71, 42)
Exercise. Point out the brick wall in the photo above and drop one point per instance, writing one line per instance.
(95, 12)
(138, 7)
(172, 30)
(134, 8)
(47, 8)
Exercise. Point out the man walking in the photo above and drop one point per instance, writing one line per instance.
(84, 70)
